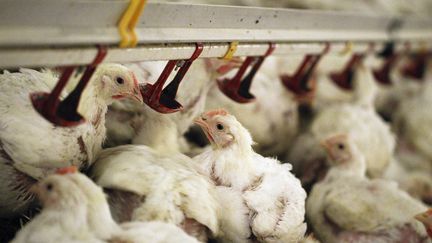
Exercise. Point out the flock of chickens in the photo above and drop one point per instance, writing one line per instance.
(209, 172)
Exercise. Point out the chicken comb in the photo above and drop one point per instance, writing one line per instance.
(67, 170)
(220, 111)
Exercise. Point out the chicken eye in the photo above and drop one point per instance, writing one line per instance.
(341, 146)
(120, 80)
(219, 126)
(49, 187)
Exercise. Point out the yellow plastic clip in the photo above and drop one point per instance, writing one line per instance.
(134, 21)
(231, 50)
(348, 48)
(127, 23)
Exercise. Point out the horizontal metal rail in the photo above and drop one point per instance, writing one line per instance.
(48, 57)
(65, 32)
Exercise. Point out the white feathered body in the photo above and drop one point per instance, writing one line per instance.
(101, 224)
(52, 227)
(151, 232)
(266, 200)
(352, 209)
(417, 182)
(369, 131)
(34, 146)
(83, 217)
(349, 207)
(168, 187)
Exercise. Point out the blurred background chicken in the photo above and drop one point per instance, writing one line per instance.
(418, 183)
(412, 124)
(348, 207)
(358, 118)
(68, 202)
(64, 214)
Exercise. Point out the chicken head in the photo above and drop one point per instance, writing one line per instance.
(338, 149)
(223, 129)
(117, 82)
(56, 191)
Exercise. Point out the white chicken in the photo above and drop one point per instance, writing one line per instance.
(68, 216)
(403, 103)
(64, 214)
(261, 200)
(31, 147)
(412, 125)
(138, 124)
(104, 227)
(348, 207)
(145, 185)
(368, 131)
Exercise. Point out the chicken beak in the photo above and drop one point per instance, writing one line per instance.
(136, 94)
(421, 217)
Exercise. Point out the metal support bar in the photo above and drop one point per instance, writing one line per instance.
(90, 22)
(50, 57)
(35, 33)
